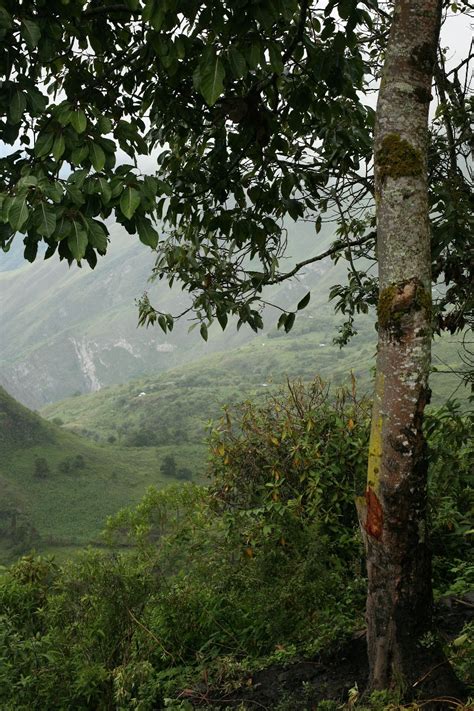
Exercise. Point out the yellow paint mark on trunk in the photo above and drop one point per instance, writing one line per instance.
(375, 442)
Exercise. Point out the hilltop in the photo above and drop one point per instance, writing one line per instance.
(70, 330)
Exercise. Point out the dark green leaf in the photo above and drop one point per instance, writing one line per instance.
(51, 250)
(276, 61)
(290, 319)
(97, 236)
(223, 319)
(304, 301)
(104, 124)
(45, 219)
(237, 62)
(31, 250)
(91, 257)
(148, 10)
(44, 144)
(147, 233)
(79, 154)
(97, 156)
(63, 113)
(30, 32)
(58, 147)
(54, 191)
(345, 8)
(287, 185)
(17, 107)
(129, 201)
(78, 121)
(36, 100)
(28, 181)
(211, 84)
(5, 19)
(18, 212)
(253, 54)
(203, 331)
(77, 241)
(163, 323)
(105, 189)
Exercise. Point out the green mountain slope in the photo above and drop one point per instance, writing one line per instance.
(75, 330)
(57, 488)
(175, 407)
(66, 331)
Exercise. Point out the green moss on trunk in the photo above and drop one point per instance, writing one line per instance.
(397, 158)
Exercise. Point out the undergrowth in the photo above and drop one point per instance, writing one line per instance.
(204, 585)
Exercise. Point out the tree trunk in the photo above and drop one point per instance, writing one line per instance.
(401, 648)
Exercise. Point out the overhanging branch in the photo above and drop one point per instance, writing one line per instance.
(338, 247)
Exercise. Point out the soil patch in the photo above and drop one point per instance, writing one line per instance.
(301, 685)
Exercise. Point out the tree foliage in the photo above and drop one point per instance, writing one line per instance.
(251, 114)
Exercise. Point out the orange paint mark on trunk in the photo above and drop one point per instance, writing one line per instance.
(374, 521)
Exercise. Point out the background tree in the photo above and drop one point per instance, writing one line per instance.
(260, 112)
(168, 466)
(42, 470)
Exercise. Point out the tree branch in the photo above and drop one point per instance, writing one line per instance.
(440, 81)
(103, 9)
(299, 31)
(338, 247)
(461, 64)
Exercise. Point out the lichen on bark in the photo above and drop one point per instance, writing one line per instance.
(398, 158)
(398, 300)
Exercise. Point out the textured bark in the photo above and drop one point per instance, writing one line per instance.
(393, 512)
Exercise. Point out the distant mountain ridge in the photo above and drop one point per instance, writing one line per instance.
(75, 330)
(67, 331)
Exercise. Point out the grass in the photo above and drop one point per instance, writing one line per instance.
(171, 418)
(68, 506)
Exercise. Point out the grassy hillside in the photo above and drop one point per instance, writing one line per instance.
(57, 488)
(68, 331)
(175, 407)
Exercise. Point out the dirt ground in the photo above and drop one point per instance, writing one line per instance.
(300, 686)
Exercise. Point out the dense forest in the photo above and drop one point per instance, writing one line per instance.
(278, 513)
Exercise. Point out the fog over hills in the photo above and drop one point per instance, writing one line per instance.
(69, 331)
(66, 330)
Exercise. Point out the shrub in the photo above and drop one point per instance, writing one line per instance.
(451, 493)
(41, 470)
(262, 565)
(168, 466)
(294, 461)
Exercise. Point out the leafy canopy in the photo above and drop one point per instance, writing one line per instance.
(249, 114)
